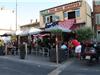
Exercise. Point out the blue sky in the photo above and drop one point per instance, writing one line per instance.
(29, 9)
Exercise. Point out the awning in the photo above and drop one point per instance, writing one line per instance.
(58, 27)
(65, 26)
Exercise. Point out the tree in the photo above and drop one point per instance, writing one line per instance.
(84, 33)
(56, 31)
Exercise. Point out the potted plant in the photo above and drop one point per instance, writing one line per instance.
(22, 51)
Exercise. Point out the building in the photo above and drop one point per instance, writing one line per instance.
(7, 20)
(71, 16)
(96, 18)
(30, 25)
(28, 28)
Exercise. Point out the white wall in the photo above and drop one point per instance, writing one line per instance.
(7, 19)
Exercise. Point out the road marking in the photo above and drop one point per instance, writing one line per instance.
(60, 68)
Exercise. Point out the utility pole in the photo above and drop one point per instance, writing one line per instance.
(16, 15)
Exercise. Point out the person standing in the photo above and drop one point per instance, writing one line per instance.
(77, 47)
(1, 47)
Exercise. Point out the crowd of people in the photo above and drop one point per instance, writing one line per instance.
(71, 47)
(8, 47)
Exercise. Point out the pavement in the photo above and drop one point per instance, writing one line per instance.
(9, 66)
(40, 60)
(31, 59)
(70, 66)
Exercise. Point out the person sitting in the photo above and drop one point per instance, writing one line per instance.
(64, 47)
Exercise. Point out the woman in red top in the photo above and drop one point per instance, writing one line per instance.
(77, 47)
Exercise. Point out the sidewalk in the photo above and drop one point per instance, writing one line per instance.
(31, 59)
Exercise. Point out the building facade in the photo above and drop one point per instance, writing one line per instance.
(72, 15)
(29, 26)
(96, 18)
(7, 20)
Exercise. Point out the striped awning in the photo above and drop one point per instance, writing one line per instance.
(66, 25)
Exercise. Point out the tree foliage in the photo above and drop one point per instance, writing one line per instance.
(56, 31)
(84, 33)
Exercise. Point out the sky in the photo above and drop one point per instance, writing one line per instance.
(30, 9)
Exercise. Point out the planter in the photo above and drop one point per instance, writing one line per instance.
(61, 55)
(22, 51)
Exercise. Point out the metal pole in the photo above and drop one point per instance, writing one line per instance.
(57, 59)
(26, 49)
(16, 30)
(16, 15)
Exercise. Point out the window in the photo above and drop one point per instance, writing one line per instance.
(77, 13)
(65, 14)
(48, 18)
(97, 18)
(71, 15)
(51, 18)
(97, 2)
(55, 18)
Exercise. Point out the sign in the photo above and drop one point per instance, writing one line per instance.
(72, 6)
(65, 7)
(52, 24)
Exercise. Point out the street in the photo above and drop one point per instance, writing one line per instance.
(81, 68)
(8, 67)
(70, 67)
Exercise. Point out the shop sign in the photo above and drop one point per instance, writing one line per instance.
(65, 7)
(52, 24)
(72, 6)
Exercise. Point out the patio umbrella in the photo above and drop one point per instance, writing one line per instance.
(19, 32)
(34, 30)
(25, 32)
